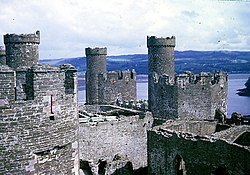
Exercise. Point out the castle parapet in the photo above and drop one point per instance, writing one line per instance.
(180, 80)
(23, 38)
(2, 56)
(96, 51)
(118, 75)
(190, 96)
(153, 41)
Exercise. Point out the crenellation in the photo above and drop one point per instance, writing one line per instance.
(96, 51)
(21, 50)
(180, 130)
(153, 41)
(23, 38)
(39, 112)
(184, 96)
(2, 56)
(7, 86)
(104, 87)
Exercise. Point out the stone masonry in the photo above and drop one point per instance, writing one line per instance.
(39, 112)
(104, 87)
(2, 56)
(188, 137)
(185, 96)
(160, 61)
(194, 147)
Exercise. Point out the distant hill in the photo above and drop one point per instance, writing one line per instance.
(195, 61)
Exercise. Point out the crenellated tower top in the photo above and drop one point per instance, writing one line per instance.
(153, 41)
(22, 50)
(96, 51)
(23, 38)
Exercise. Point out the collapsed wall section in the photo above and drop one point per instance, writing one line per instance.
(175, 152)
(115, 141)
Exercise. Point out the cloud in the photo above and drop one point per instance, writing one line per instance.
(69, 26)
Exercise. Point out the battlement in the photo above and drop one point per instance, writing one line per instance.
(23, 38)
(153, 41)
(189, 96)
(96, 51)
(182, 80)
(2, 51)
(2, 56)
(118, 75)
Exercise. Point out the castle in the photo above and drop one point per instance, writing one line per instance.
(177, 96)
(104, 87)
(39, 111)
(44, 131)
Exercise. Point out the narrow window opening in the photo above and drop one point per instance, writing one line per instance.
(51, 104)
(15, 94)
(52, 117)
(120, 75)
(132, 75)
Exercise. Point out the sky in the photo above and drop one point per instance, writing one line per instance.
(67, 27)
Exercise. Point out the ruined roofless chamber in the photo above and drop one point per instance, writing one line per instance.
(21, 50)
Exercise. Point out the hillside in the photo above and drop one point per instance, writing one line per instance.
(195, 61)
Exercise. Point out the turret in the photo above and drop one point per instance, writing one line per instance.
(21, 50)
(2, 56)
(160, 61)
(96, 64)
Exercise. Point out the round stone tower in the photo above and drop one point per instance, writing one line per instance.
(21, 50)
(160, 61)
(96, 64)
(2, 56)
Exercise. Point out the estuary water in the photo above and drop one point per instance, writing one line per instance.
(236, 103)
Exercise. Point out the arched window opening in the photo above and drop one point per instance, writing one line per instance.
(179, 166)
(102, 167)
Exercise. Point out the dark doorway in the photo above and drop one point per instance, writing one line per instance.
(84, 166)
(102, 167)
(179, 166)
(220, 171)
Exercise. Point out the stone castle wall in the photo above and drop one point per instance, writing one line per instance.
(184, 96)
(117, 85)
(160, 61)
(96, 64)
(39, 118)
(190, 96)
(123, 139)
(2, 56)
(104, 87)
(178, 152)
